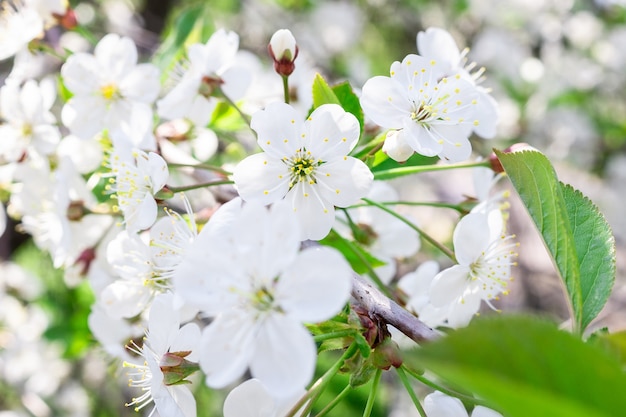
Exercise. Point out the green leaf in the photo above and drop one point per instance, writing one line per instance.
(524, 367)
(614, 343)
(349, 101)
(536, 183)
(354, 254)
(595, 250)
(322, 93)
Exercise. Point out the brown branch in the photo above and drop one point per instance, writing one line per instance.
(381, 308)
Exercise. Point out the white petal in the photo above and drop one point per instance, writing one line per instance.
(456, 146)
(141, 83)
(174, 401)
(418, 282)
(115, 54)
(487, 114)
(124, 299)
(461, 313)
(315, 215)
(236, 82)
(80, 74)
(250, 399)
(421, 139)
(480, 411)
(284, 357)
(142, 216)
(449, 285)
(219, 51)
(471, 238)
(384, 102)
(437, 44)
(259, 178)
(278, 130)
(316, 285)
(157, 169)
(396, 146)
(344, 181)
(438, 404)
(187, 339)
(163, 323)
(331, 132)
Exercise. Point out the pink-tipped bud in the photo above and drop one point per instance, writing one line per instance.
(283, 50)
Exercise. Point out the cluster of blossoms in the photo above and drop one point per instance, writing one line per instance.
(232, 295)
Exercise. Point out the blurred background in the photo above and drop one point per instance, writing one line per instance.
(557, 68)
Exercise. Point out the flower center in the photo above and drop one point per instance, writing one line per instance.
(302, 166)
(27, 130)
(425, 112)
(109, 92)
(263, 299)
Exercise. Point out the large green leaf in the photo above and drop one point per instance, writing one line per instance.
(572, 229)
(525, 367)
(595, 250)
(349, 100)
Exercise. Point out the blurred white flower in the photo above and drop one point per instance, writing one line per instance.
(18, 26)
(438, 404)
(169, 352)
(137, 179)
(386, 237)
(251, 399)
(245, 269)
(416, 285)
(305, 163)
(109, 88)
(29, 125)
(210, 68)
(434, 115)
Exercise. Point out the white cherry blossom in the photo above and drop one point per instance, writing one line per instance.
(246, 271)
(437, 44)
(28, 126)
(305, 163)
(168, 350)
(210, 67)
(110, 90)
(434, 115)
(138, 177)
(485, 255)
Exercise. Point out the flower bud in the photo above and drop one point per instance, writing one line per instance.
(396, 147)
(283, 50)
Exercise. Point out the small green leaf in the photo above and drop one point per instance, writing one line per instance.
(349, 101)
(322, 93)
(535, 181)
(353, 252)
(524, 367)
(595, 249)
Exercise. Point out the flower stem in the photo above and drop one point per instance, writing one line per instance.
(286, 88)
(463, 397)
(196, 186)
(373, 391)
(410, 391)
(456, 207)
(401, 171)
(335, 401)
(426, 236)
(244, 116)
(86, 33)
(321, 383)
(200, 166)
(333, 335)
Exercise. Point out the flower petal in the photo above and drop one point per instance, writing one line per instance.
(226, 348)
(284, 357)
(278, 130)
(250, 399)
(316, 285)
(384, 101)
(448, 285)
(471, 238)
(330, 132)
(343, 181)
(438, 404)
(315, 215)
(260, 178)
